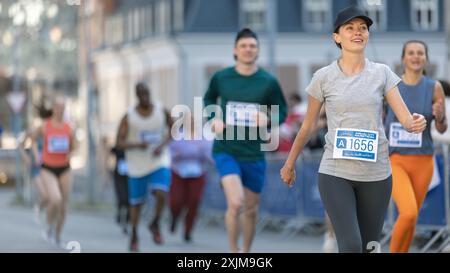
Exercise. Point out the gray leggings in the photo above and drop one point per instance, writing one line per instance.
(356, 210)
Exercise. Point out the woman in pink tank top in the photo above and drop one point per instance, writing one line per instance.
(58, 146)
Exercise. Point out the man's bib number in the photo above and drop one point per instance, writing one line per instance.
(242, 114)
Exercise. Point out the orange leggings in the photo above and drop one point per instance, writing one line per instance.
(411, 176)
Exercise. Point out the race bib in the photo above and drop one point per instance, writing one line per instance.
(399, 137)
(151, 137)
(355, 144)
(242, 114)
(122, 167)
(58, 144)
(189, 169)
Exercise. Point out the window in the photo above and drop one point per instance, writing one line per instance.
(149, 19)
(376, 10)
(114, 30)
(253, 14)
(129, 26)
(424, 14)
(107, 38)
(136, 27)
(162, 17)
(142, 18)
(178, 15)
(317, 14)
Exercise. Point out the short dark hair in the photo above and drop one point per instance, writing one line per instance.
(43, 111)
(245, 33)
(141, 86)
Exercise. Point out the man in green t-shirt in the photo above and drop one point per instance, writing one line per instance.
(246, 94)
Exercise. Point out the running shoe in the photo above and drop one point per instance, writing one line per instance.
(329, 243)
(157, 238)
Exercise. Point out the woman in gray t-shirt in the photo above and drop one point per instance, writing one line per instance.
(354, 176)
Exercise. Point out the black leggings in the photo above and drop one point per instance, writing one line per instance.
(356, 209)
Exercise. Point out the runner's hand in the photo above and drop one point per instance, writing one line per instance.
(419, 124)
(261, 119)
(288, 175)
(217, 126)
(438, 110)
(157, 150)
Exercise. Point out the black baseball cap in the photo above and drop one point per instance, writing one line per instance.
(348, 14)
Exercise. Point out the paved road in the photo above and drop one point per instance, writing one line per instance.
(96, 231)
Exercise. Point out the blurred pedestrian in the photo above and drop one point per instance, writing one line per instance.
(408, 151)
(58, 145)
(245, 90)
(190, 153)
(144, 133)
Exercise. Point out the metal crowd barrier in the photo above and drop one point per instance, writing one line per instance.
(292, 208)
(280, 207)
(445, 231)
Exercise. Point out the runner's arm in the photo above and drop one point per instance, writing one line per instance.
(439, 108)
(307, 128)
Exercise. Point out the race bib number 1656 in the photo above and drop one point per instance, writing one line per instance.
(355, 144)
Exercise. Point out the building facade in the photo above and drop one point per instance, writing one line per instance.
(176, 45)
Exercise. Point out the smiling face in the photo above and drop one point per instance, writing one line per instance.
(246, 50)
(415, 56)
(353, 35)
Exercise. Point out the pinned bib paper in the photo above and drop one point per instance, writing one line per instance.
(399, 137)
(242, 114)
(189, 169)
(122, 167)
(151, 137)
(58, 144)
(355, 144)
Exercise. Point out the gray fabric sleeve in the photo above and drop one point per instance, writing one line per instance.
(392, 80)
(315, 87)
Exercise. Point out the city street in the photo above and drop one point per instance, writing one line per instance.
(96, 232)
